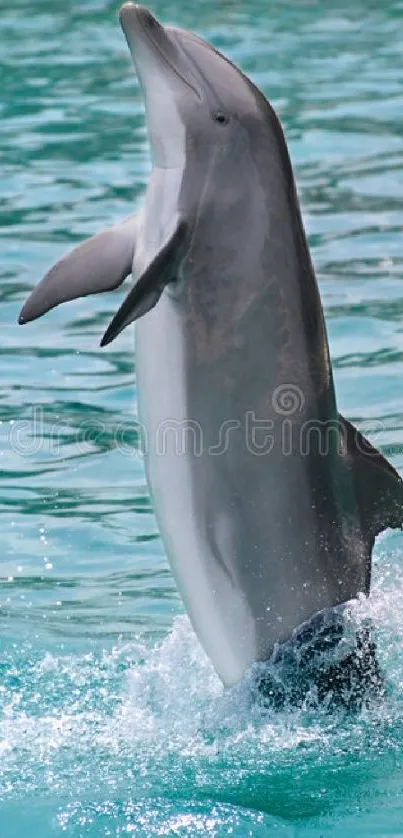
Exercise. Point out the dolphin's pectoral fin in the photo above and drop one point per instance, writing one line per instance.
(99, 264)
(378, 485)
(148, 288)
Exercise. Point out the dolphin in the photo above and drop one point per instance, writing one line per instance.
(268, 501)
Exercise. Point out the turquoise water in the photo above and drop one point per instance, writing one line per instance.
(112, 721)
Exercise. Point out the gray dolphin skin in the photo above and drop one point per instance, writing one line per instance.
(267, 500)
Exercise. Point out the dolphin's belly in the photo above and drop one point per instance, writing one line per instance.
(254, 548)
(219, 612)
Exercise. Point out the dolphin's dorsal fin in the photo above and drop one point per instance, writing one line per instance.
(379, 487)
(99, 264)
(149, 286)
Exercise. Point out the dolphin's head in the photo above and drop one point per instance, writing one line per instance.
(219, 158)
(194, 96)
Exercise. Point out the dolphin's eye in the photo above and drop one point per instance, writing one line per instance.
(221, 118)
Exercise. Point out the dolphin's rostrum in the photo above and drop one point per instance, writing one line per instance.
(268, 501)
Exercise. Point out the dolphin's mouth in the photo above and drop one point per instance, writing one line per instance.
(134, 17)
